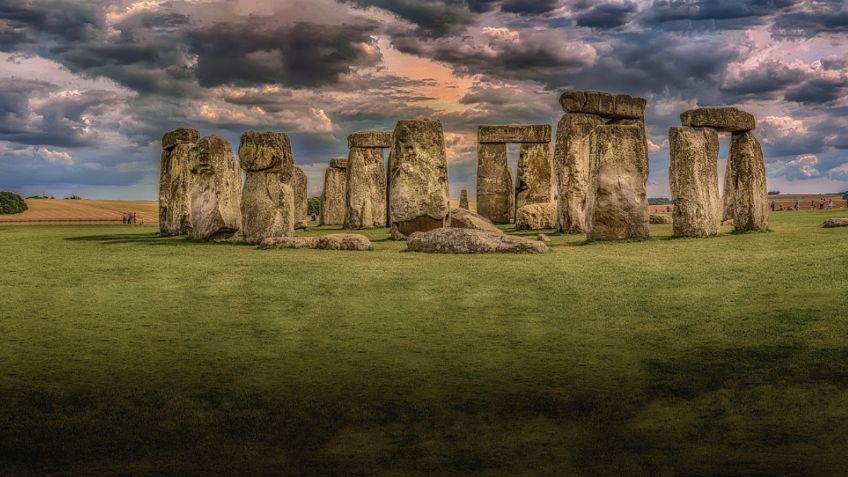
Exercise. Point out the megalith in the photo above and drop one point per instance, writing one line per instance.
(750, 193)
(301, 204)
(536, 217)
(179, 154)
(693, 180)
(335, 192)
(494, 183)
(267, 202)
(617, 206)
(419, 178)
(724, 119)
(365, 200)
(535, 172)
(463, 199)
(215, 191)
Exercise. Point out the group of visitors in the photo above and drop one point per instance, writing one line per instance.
(822, 204)
(131, 218)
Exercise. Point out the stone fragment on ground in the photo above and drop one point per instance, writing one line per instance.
(836, 222)
(660, 219)
(465, 219)
(350, 242)
(461, 241)
(536, 217)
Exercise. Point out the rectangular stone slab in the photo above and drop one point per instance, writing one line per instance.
(723, 119)
(179, 157)
(365, 202)
(370, 139)
(535, 174)
(335, 191)
(607, 105)
(693, 180)
(267, 206)
(215, 191)
(536, 133)
(572, 165)
(301, 206)
(750, 193)
(494, 183)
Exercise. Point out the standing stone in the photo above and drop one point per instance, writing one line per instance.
(693, 179)
(267, 202)
(494, 183)
(536, 217)
(617, 206)
(179, 155)
(750, 193)
(571, 161)
(215, 191)
(365, 203)
(419, 178)
(335, 193)
(463, 199)
(299, 188)
(534, 182)
(729, 193)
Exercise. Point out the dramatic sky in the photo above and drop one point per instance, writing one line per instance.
(88, 87)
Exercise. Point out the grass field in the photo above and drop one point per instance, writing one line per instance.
(58, 210)
(125, 353)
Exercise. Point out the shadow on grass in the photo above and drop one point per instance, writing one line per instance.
(149, 239)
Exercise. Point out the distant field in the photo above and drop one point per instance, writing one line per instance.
(65, 210)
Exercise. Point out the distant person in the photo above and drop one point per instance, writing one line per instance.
(829, 203)
(133, 218)
(821, 203)
(797, 204)
(124, 219)
(772, 206)
(142, 220)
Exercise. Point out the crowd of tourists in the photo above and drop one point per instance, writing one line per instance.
(821, 204)
(131, 218)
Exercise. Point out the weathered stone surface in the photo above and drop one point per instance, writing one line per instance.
(267, 201)
(722, 119)
(535, 133)
(352, 242)
(334, 196)
(465, 219)
(451, 240)
(365, 203)
(419, 178)
(728, 195)
(603, 104)
(750, 193)
(495, 194)
(660, 219)
(215, 191)
(381, 139)
(534, 184)
(693, 180)
(836, 222)
(617, 206)
(463, 199)
(571, 161)
(301, 206)
(536, 217)
(543, 238)
(179, 156)
(266, 151)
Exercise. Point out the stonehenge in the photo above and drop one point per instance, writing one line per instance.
(268, 208)
(335, 193)
(301, 204)
(365, 195)
(215, 191)
(599, 137)
(418, 194)
(497, 200)
(179, 154)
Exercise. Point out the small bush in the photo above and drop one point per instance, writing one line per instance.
(73, 197)
(314, 206)
(11, 203)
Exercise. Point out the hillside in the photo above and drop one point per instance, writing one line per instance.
(64, 210)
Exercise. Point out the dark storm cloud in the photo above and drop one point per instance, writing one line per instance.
(434, 18)
(529, 7)
(603, 15)
(819, 17)
(818, 91)
(68, 21)
(728, 13)
(764, 81)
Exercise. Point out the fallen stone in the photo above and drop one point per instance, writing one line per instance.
(215, 191)
(451, 240)
(543, 238)
(534, 181)
(537, 133)
(750, 193)
(419, 178)
(724, 119)
(571, 161)
(603, 104)
(179, 157)
(335, 193)
(377, 139)
(463, 199)
(495, 193)
(267, 203)
(536, 217)
(365, 203)
(465, 219)
(351, 242)
(693, 180)
(617, 206)
(660, 219)
(836, 222)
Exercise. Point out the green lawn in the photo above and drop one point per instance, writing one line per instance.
(125, 353)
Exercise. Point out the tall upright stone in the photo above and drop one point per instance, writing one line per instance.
(335, 193)
(535, 173)
(419, 178)
(179, 155)
(495, 196)
(215, 191)
(267, 199)
(463, 199)
(728, 195)
(750, 192)
(572, 165)
(693, 179)
(301, 204)
(617, 206)
(365, 202)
